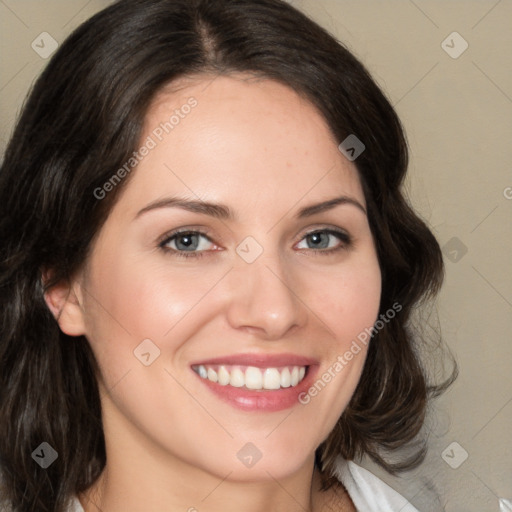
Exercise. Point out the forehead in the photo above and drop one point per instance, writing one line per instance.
(240, 100)
(236, 136)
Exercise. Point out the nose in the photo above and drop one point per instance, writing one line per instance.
(262, 300)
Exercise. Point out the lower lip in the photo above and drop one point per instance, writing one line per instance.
(264, 400)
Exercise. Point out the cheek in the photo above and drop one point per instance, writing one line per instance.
(130, 300)
(347, 297)
(360, 299)
(347, 301)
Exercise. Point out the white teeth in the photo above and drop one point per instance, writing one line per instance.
(271, 379)
(237, 378)
(285, 378)
(253, 378)
(223, 376)
(212, 375)
(202, 372)
(294, 380)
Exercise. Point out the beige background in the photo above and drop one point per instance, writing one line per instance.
(458, 116)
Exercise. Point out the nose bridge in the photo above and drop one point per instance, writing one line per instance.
(262, 297)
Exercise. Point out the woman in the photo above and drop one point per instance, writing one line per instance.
(208, 270)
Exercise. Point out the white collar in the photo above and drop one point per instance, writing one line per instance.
(367, 491)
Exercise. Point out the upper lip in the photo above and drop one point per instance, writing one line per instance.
(259, 360)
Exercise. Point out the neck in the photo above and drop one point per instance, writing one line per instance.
(130, 487)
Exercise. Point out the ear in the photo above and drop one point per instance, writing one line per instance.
(64, 300)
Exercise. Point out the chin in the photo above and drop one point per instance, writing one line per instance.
(261, 461)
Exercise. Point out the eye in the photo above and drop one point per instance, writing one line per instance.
(325, 240)
(190, 243)
(187, 243)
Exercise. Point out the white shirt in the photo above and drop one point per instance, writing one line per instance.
(369, 493)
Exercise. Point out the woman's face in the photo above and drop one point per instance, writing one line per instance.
(272, 278)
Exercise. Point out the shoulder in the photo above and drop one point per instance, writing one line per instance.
(367, 491)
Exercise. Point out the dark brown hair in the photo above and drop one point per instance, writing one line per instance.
(81, 121)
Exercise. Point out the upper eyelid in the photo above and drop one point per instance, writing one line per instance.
(174, 233)
(344, 236)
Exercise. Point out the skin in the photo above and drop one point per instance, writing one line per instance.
(259, 148)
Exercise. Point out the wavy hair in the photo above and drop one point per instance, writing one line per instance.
(81, 121)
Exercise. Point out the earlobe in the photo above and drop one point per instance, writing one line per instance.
(64, 301)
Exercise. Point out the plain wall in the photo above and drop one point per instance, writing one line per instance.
(457, 113)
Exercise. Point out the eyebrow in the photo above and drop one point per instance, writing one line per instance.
(223, 212)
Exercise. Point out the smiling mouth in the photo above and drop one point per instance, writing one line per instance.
(252, 377)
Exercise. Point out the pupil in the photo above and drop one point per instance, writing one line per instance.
(187, 242)
(319, 240)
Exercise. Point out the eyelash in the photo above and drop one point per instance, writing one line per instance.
(344, 237)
